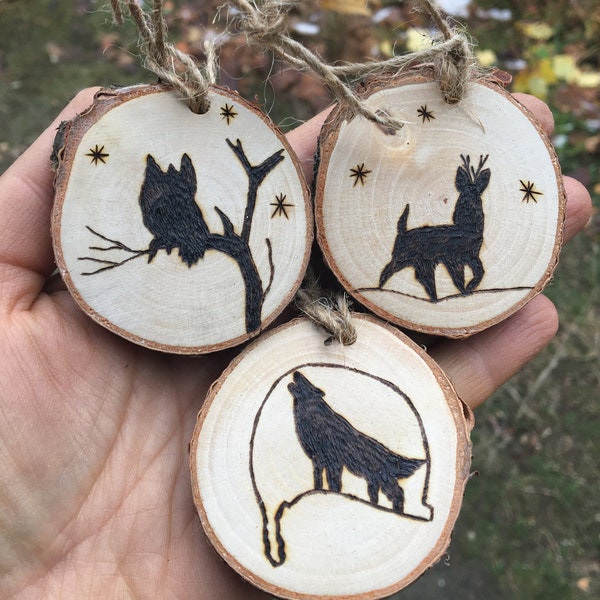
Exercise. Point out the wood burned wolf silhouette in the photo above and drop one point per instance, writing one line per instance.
(456, 245)
(328, 454)
(332, 443)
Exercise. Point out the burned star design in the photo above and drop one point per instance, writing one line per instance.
(359, 174)
(228, 113)
(281, 206)
(97, 155)
(425, 114)
(529, 191)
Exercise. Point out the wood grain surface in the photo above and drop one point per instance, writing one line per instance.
(181, 232)
(330, 471)
(448, 225)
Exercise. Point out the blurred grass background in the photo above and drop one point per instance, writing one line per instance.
(530, 524)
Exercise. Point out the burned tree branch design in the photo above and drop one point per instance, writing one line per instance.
(169, 211)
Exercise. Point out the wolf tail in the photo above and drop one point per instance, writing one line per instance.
(392, 266)
(405, 467)
(402, 221)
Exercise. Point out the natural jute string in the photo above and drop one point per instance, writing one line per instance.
(332, 315)
(452, 58)
(165, 60)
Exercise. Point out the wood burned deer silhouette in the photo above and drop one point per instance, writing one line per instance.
(456, 245)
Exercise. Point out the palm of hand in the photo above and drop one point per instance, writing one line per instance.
(95, 496)
(101, 467)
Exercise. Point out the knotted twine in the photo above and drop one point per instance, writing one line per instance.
(333, 315)
(451, 56)
(265, 24)
(167, 62)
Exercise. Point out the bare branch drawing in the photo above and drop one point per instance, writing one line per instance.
(169, 211)
(109, 264)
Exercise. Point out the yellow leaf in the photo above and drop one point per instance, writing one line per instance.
(348, 7)
(521, 82)
(538, 86)
(537, 31)
(417, 39)
(486, 58)
(544, 70)
(588, 79)
(565, 67)
(386, 48)
(530, 81)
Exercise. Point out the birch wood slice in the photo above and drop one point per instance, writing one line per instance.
(182, 232)
(324, 471)
(452, 223)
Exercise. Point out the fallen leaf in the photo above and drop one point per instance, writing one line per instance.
(486, 58)
(537, 31)
(537, 79)
(588, 79)
(417, 39)
(348, 7)
(583, 584)
(565, 67)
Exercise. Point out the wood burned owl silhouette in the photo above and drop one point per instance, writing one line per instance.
(170, 212)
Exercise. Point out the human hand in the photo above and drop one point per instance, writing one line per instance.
(95, 496)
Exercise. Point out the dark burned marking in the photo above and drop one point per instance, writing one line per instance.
(318, 427)
(332, 443)
(449, 297)
(425, 114)
(359, 174)
(171, 214)
(529, 191)
(97, 155)
(228, 113)
(281, 206)
(456, 246)
(115, 245)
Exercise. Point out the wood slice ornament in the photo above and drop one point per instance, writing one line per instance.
(450, 224)
(181, 232)
(327, 470)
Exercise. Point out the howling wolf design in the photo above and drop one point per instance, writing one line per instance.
(332, 443)
(305, 448)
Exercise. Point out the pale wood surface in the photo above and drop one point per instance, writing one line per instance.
(130, 148)
(367, 179)
(253, 476)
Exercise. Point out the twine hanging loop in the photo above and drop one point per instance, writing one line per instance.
(332, 315)
(451, 55)
(455, 64)
(163, 59)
